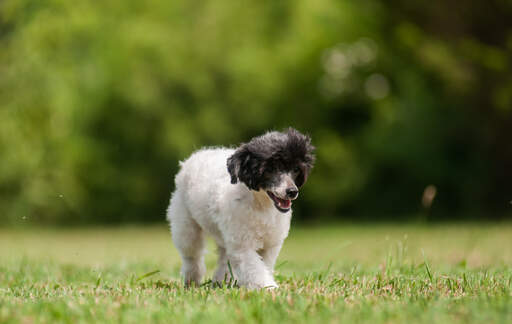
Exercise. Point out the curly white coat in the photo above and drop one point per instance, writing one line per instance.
(248, 229)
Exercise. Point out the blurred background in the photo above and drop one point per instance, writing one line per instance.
(409, 103)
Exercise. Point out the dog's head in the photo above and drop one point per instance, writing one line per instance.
(277, 162)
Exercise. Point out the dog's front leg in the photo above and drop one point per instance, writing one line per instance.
(269, 256)
(250, 270)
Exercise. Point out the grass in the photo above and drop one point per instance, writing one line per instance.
(359, 274)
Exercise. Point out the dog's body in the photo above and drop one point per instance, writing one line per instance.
(250, 219)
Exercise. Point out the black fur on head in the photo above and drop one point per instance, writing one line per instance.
(260, 162)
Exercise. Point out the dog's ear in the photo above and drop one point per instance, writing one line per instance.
(244, 166)
(309, 161)
(300, 147)
(234, 163)
(302, 176)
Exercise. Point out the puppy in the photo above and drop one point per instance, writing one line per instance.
(243, 199)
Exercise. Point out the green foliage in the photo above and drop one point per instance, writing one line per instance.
(100, 100)
(323, 275)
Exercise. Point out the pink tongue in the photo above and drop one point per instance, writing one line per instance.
(285, 203)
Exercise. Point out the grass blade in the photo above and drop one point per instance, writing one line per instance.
(98, 282)
(427, 267)
(280, 264)
(230, 270)
(149, 274)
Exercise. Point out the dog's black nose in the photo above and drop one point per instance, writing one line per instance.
(292, 193)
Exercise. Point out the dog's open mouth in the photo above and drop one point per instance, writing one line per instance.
(283, 205)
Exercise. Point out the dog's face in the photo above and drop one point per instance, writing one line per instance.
(277, 162)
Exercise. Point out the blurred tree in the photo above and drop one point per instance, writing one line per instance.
(99, 101)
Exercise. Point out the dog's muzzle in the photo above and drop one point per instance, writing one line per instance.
(283, 205)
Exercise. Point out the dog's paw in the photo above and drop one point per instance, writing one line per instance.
(261, 286)
(271, 287)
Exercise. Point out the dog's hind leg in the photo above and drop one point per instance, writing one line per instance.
(222, 273)
(188, 238)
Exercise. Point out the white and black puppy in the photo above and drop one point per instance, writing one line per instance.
(243, 199)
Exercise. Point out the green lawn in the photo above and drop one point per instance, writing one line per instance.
(332, 274)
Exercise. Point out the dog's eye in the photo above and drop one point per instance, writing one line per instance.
(297, 170)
